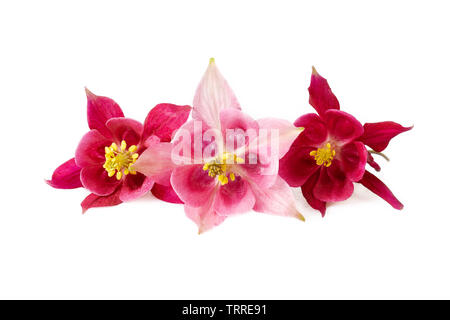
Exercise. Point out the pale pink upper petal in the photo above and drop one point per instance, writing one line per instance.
(238, 129)
(234, 197)
(156, 160)
(213, 95)
(100, 110)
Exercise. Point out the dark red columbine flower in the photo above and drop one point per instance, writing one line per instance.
(330, 155)
(105, 156)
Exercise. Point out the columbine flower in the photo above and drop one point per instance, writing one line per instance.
(231, 180)
(105, 157)
(330, 154)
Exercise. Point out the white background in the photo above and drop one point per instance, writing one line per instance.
(385, 60)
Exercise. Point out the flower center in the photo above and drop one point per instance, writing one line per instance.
(221, 168)
(323, 156)
(119, 161)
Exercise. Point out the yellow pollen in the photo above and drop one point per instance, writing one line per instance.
(221, 168)
(119, 161)
(323, 156)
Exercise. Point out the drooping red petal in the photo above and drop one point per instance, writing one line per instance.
(193, 185)
(307, 191)
(315, 132)
(165, 193)
(99, 110)
(91, 149)
(95, 201)
(371, 162)
(66, 176)
(297, 165)
(96, 180)
(125, 129)
(342, 127)
(234, 197)
(378, 135)
(320, 95)
(353, 159)
(333, 184)
(164, 119)
(135, 186)
(375, 185)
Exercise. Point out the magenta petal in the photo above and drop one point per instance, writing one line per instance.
(320, 95)
(135, 186)
(375, 185)
(164, 119)
(234, 197)
(165, 193)
(342, 127)
(66, 176)
(315, 132)
(99, 110)
(193, 185)
(353, 158)
(96, 180)
(205, 217)
(371, 162)
(95, 201)
(307, 191)
(297, 165)
(378, 135)
(125, 129)
(91, 149)
(332, 185)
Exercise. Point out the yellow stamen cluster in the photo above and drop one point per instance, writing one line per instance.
(119, 160)
(323, 156)
(221, 168)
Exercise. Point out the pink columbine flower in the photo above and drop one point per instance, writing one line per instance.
(330, 155)
(105, 156)
(231, 179)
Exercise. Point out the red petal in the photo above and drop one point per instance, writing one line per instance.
(91, 149)
(297, 165)
(93, 201)
(165, 193)
(377, 135)
(135, 186)
(342, 127)
(333, 185)
(307, 190)
(353, 158)
(320, 95)
(380, 189)
(315, 132)
(96, 180)
(99, 110)
(371, 162)
(164, 119)
(66, 176)
(125, 129)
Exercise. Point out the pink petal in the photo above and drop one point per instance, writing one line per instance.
(95, 201)
(234, 197)
(320, 95)
(205, 217)
(333, 185)
(99, 110)
(287, 133)
(91, 149)
(353, 158)
(156, 160)
(371, 162)
(96, 180)
(264, 172)
(193, 185)
(164, 119)
(297, 165)
(307, 191)
(135, 186)
(125, 129)
(315, 132)
(380, 189)
(342, 127)
(237, 128)
(165, 193)
(378, 135)
(278, 199)
(213, 95)
(66, 176)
